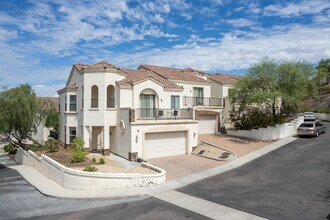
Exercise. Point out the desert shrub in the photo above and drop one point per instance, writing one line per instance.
(12, 151)
(78, 143)
(78, 151)
(78, 156)
(253, 118)
(8, 147)
(90, 169)
(101, 161)
(323, 110)
(52, 145)
(94, 160)
(35, 148)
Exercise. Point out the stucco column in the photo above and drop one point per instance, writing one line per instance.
(106, 141)
(86, 136)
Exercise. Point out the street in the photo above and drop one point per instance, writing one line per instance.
(292, 182)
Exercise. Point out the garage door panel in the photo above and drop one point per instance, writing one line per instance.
(206, 124)
(164, 144)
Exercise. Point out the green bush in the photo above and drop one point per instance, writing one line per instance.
(94, 160)
(78, 156)
(78, 151)
(101, 161)
(246, 119)
(78, 143)
(8, 147)
(12, 151)
(323, 110)
(90, 169)
(35, 148)
(52, 145)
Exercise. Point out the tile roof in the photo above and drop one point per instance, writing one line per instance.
(138, 75)
(224, 78)
(71, 86)
(174, 73)
(97, 66)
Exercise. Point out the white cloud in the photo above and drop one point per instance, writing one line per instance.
(239, 22)
(296, 9)
(231, 52)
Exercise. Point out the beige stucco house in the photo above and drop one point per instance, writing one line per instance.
(144, 113)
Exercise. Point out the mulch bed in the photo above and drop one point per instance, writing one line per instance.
(63, 156)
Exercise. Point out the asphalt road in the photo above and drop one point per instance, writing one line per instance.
(292, 182)
(19, 199)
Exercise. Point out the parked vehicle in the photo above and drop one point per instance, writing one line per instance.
(309, 116)
(312, 128)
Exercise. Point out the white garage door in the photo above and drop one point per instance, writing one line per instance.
(206, 124)
(164, 144)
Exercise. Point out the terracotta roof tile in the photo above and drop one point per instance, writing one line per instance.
(97, 66)
(224, 78)
(138, 75)
(174, 73)
(71, 86)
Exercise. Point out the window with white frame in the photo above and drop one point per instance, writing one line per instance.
(175, 102)
(65, 103)
(73, 103)
(72, 134)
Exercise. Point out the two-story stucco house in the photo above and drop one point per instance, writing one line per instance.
(145, 113)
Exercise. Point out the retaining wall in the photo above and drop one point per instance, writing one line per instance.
(322, 116)
(76, 179)
(270, 133)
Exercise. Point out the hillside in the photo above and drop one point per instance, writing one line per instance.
(321, 101)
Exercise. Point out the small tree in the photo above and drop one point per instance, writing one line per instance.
(323, 71)
(21, 113)
(18, 107)
(78, 151)
(270, 88)
(52, 145)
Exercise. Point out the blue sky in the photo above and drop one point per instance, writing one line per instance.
(40, 40)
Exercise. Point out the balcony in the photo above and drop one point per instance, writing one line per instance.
(163, 114)
(202, 101)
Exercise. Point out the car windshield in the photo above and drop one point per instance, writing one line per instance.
(309, 113)
(305, 125)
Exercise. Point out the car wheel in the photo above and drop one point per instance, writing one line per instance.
(317, 134)
(325, 130)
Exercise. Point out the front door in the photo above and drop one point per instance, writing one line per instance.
(96, 138)
(147, 105)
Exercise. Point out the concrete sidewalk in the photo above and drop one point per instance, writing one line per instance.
(51, 188)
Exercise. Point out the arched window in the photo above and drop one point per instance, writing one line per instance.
(148, 103)
(95, 97)
(110, 96)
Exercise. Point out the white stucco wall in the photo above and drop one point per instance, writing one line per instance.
(270, 133)
(322, 116)
(75, 179)
(120, 142)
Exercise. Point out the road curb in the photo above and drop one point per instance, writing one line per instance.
(42, 183)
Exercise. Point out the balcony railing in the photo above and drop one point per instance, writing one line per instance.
(202, 101)
(111, 103)
(163, 114)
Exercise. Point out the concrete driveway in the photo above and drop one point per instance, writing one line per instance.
(183, 165)
(292, 182)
